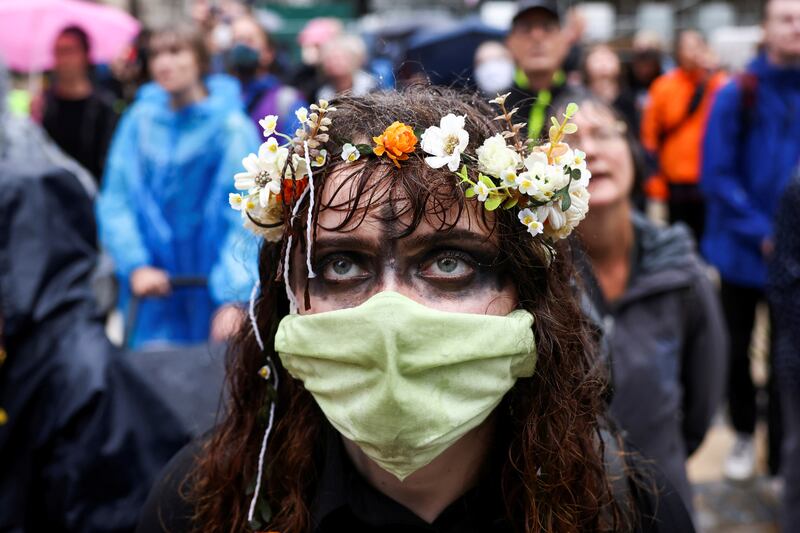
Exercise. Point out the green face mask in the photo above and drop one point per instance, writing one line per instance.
(404, 381)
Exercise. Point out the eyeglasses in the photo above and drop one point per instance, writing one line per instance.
(603, 135)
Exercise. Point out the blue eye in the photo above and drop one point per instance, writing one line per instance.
(449, 265)
(342, 268)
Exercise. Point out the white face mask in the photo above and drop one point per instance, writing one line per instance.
(494, 75)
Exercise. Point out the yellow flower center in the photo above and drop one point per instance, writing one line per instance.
(450, 144)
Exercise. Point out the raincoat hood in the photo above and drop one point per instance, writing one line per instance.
(664, 260)
(47, 244)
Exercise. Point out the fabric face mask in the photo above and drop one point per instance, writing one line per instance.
(494, 75)
(404, 381)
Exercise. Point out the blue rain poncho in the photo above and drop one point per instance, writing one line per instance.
(164, 204)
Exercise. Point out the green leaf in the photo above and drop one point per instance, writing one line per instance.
(364, 149)
(486, 180)
(575, 174)
(554, 121)
(511, 202)
(566, 200)
(572, 108)
(493, 202)
(570, 128)
(462, 173)
(470, 193)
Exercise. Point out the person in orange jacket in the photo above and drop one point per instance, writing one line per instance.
(673, 125)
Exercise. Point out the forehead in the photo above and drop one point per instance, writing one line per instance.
(164, 42)
(594, 115)
(380, 208)
(782, 8)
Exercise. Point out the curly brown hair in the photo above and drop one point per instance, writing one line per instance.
(553, 475)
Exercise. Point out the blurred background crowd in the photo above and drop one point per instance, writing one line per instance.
(123, 271)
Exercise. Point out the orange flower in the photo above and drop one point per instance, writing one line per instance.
(396, 141)
(297, 185)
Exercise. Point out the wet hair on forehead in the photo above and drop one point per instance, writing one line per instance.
(400, 197)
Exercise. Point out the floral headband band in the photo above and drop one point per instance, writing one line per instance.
(547, 183)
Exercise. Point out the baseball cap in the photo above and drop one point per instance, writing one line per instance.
(548, 5)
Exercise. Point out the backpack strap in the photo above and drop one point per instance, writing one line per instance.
(748, 85)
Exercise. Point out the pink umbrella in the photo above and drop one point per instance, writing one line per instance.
(28, 29)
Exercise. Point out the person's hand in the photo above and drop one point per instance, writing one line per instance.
(767, 248)
(226, 322)
(149, 281)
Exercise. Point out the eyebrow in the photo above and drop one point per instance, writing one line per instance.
(449, 237)
(346, 241)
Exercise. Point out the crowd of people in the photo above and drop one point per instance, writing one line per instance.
(380, 375)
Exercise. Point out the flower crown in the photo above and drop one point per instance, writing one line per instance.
(547, 183)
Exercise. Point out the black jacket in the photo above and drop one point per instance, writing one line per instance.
(83, 436)
(345, 502)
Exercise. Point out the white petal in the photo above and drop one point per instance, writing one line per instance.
(463, 140)
(453, 162)
(251, 163)
(436, 161)
(452, 122)
(243, 181)
(263, 197)
(432, 141)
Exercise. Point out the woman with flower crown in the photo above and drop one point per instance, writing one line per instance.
(416, 359)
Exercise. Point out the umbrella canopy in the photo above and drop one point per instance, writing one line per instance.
(447, 56)
(28, 29)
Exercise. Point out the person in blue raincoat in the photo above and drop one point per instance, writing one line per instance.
(751, 147)
(163, 209)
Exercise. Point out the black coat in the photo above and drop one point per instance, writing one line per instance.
(84, 436)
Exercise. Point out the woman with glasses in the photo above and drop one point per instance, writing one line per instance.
(659, 310)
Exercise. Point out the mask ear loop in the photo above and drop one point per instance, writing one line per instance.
(272, 372)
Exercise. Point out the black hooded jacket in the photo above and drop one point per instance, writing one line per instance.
(82, 437)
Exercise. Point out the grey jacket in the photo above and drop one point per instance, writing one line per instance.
(668, 349)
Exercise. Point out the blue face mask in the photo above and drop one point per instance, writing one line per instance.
(243, 60)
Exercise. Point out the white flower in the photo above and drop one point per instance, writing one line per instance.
(500, 99)
(269, 219)
(495, 156)
(319, 160)
(560, 224)
(302, 115)
(548, 179)
(481, 191)
(300, 168)
(255, 171)
(509, 177)
(236, 201)
(528, 217)
(268, 151)
(350, 153)
(272, 188)
(269, 123)
(527, 184)
(446, 142)
(578, 159)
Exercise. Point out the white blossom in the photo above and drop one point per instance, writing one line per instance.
(269, 123)
(445, 142)
(495, 156)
